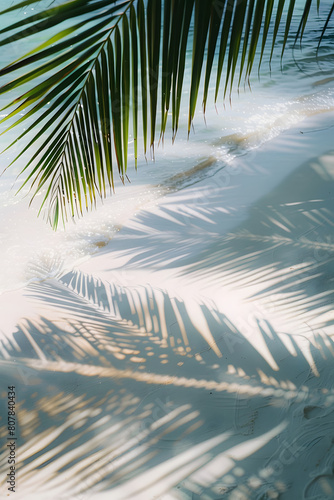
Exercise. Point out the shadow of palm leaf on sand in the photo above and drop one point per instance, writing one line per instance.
(282, 252)
(117, 400)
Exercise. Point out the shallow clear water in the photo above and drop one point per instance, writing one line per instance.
(280, 99)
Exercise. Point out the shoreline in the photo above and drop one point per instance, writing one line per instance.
(202, 170)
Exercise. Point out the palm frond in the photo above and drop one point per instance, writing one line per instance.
(102, 57)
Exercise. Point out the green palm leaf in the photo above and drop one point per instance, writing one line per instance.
(102, 57)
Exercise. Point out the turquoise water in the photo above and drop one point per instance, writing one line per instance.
(280, 99)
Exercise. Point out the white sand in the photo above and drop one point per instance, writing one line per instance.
(191, 358)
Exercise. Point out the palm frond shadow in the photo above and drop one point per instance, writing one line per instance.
(117, 399)
(282, 253)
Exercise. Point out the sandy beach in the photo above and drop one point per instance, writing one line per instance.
(191, 357)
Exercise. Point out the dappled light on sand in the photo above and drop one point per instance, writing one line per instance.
(97, 411)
